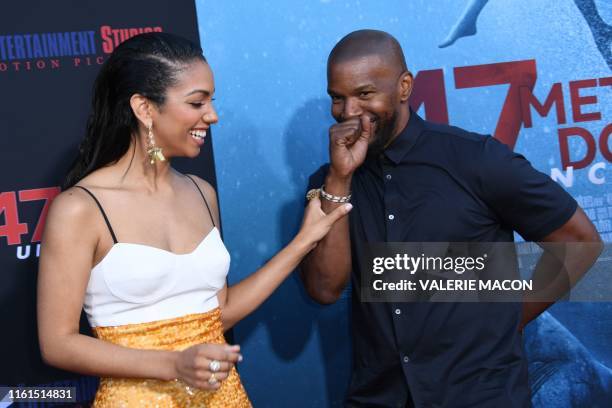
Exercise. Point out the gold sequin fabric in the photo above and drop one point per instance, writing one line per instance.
(172, 334)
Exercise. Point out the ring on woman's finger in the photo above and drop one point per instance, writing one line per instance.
(214, 366)
(187, 388)
(212, 380)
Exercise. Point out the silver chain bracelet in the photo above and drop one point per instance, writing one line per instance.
(333, 198)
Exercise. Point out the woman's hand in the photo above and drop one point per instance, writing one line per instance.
(193, 365)
(316, 224)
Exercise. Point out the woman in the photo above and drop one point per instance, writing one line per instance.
(136, 244)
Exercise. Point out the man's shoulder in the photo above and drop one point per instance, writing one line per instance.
(451, 143)
(462, 151)
(452, 133)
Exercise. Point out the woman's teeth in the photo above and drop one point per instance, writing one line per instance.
(198, 134)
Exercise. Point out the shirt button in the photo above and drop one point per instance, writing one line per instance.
(388, 177)
(391, 217)
(398, 312)
(406, 359)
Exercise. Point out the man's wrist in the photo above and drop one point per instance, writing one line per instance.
(338, 185)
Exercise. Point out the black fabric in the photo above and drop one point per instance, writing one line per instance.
(108, 224)
(439, 183)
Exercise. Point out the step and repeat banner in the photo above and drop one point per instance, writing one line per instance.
(50, 53)
(536, 75)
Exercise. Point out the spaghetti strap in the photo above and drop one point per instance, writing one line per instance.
(102, 211)
(203, 198)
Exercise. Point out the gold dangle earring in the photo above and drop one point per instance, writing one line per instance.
(154, 152)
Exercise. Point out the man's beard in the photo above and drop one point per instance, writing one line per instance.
(382, 137)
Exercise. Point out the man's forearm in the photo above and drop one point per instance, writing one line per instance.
(558, 270)
(547, 270)
(325, 271)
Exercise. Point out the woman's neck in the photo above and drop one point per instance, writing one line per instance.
(136, 167)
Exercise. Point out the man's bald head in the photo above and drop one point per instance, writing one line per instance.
(364, 43)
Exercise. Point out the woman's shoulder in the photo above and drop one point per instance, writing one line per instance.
(207, 188)
(72, 203)
(70, 218)
(80, 197)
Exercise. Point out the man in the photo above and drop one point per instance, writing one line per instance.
(414, 181)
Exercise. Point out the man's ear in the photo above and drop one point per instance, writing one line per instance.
(406, 83)
(141, 107)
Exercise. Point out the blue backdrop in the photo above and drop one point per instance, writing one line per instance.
(269, 61)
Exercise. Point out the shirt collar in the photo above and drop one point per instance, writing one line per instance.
(406, 139)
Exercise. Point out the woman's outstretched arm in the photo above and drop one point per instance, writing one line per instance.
(244, 297)
(238, 301)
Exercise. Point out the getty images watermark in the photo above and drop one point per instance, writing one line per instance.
(483, 271)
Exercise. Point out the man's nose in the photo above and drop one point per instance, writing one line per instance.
(352, 109)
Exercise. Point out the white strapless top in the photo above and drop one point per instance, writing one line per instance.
(137, 283)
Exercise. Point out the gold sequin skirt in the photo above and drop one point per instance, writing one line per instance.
(172, 334)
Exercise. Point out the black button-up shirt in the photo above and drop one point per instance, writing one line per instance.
(437, 183)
